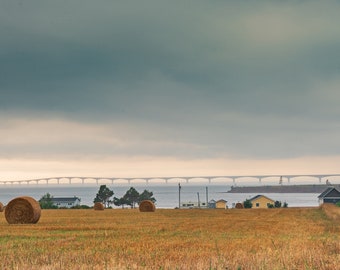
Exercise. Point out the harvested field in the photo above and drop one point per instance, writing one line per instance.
(288, 238)
(331, 210)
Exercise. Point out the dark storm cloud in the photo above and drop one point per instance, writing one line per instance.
(222, 79)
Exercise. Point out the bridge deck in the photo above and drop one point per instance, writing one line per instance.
(171, 179)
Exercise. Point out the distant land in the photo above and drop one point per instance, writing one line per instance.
(282, 189)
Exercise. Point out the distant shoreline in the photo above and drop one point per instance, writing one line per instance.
(281, 189)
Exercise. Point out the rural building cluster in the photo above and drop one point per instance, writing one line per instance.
(330, 195)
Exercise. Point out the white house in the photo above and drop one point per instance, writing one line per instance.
(66, 202)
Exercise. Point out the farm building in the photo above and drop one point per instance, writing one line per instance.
(261, 201)
(221, 204)
(330, 195)
(66, 202)
(212, 204)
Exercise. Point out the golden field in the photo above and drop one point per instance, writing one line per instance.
(286, 238)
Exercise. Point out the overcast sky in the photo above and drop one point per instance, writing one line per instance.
(145, 88)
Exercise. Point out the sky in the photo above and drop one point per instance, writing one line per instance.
(169, 88)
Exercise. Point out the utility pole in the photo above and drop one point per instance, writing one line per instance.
(206, 195)
(179, 195)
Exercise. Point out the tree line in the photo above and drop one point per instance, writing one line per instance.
(104, 195)
(130, 198)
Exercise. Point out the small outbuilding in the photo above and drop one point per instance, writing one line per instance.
(66, 202)
(212, 204)
(221, 204)
(330, 195)
(261, 201)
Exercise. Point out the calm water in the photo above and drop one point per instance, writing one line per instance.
(166, 194)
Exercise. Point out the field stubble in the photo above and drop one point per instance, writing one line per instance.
(291, 238)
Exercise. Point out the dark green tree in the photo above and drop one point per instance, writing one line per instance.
(146, 195)
(247, 204)
(277, 204)
(104, 194)
(131, 197)
(46, 202)
(119, 202)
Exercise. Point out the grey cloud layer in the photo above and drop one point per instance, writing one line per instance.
(237, 79)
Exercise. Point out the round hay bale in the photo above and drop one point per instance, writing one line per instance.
(1, 207)
(98, 206)
(239, 206)
(147, 206)
(22, 210)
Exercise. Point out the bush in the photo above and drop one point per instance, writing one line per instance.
(270, 205)
(247, 204)
(46, 202)
(338, 204)
(278, 204)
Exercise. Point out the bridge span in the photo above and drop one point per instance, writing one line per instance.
(173, 179)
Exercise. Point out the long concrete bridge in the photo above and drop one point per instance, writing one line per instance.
(174, 179)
